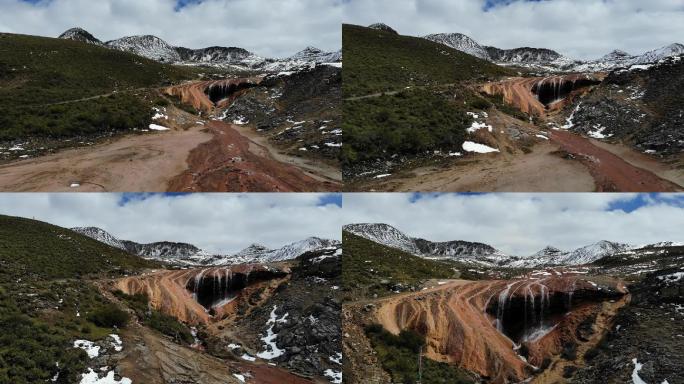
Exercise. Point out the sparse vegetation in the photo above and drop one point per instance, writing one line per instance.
(399, 357)
(47, 300)
(377, 61)
(408, 123)
(372, 269)
(38, 72)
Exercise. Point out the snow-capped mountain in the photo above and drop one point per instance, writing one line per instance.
(523, 55)
(656, 55)
(384, 234)
(383, 27)
(461, 43)
(154, 48)
(313, 54)
(593, 252)
(484, 254)
(147, 46)
(216, 55)
(543, 59)
(455, 250)
(80, 34)
(101, 235)
(188, 254)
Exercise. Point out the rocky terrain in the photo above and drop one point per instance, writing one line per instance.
(639, 105)
(578, 321)
(189, 255)
(234, 58)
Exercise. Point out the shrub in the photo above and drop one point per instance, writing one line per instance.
(109, 316)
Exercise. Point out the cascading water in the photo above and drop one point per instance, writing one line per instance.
(214, 288)
(219, 91)
(550, 90)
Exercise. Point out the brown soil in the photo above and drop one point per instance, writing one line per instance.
(127, 164)
(612, 173)
(230, 162)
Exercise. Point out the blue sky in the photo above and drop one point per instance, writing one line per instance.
(520, 223)
(579, 29)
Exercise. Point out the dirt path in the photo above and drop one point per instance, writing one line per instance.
(539, 171)
(127, 164)
(231, 162)
(314, 168)
(611, 172)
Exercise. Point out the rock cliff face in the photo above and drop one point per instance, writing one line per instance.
(503, 330)
(207, 95)
(201, 296)
(538, 95)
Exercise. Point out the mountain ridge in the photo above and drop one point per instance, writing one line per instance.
(155, 48)
(480, 253)
(191, 255)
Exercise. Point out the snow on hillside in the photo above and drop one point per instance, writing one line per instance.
(188, 254)
(486, 255)
(147, 46)
(100, 235)
(461, 43)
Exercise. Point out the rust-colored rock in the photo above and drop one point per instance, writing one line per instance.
(479, 326)
(539, 95)
(180, 293)
(198, 93)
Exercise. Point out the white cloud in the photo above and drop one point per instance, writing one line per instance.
(217, 222)
(266, 27)
(521, 224)
(580, 29)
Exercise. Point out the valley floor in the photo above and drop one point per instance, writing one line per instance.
(211, 156)
(564, 162)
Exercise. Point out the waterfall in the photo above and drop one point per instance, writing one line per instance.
(503, 299)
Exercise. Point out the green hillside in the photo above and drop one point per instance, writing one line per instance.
(370, 268)
(47, 299)
(377, 61)
(36, 72)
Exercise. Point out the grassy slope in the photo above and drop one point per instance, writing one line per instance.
(417, 120)
(35, 71)
(377, 61)
(45, 302)
(392, 265)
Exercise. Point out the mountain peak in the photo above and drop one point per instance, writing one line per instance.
(383, 27)
(460, 42)
(149, 46)
(79, 34)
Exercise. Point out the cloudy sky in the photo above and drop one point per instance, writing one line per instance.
(522, 224)
(272, 28)
(579, 29)
(223, 223)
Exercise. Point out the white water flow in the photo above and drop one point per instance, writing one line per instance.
(198, 280)
(501, 308)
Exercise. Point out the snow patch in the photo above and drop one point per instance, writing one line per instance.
(92, 378)
(156, 127)
(91, 349)
(272, 351)
(635, 373)
(470, 146)
(334, 376)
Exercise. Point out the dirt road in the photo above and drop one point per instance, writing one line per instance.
(611, 172)
(231, 162)
(126, 164)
